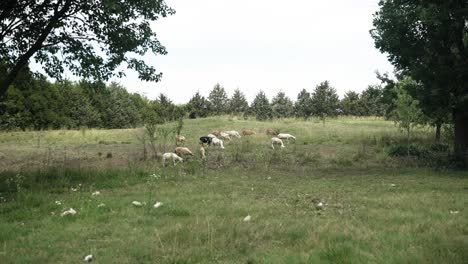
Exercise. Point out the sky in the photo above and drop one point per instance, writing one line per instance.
(267, 45)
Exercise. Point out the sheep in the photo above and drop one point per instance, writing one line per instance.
(286, 136)
(172, 156)
(276, 141)
(211, 136)
(205, 140)
(271, 131)
(218, 142)
(247, 132)
(216, 133)
(224, 136)
(183, 151)
(180, 139)
(233, 133)
(202, 152)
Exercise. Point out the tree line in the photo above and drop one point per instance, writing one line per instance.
(33, 102)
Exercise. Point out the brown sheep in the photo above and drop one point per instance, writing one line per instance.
(271, 132)
(247, 132)
(181, 151)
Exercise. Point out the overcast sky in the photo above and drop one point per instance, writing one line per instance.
(267, 45)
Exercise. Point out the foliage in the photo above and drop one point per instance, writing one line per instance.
(428, 40)
(351, 104)
(324, 101)
(198, 106)
(218, 100)
(303, 105)
(90, 38)
(261, 106)
(282, 106)
(372, 101)
(238, 104)
(407, 114)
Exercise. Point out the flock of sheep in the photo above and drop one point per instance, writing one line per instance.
(216, 139)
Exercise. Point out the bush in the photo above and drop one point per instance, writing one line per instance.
(407, 150)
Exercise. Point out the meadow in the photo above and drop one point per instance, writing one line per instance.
(376, 208)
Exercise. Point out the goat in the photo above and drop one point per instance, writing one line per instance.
(276, 141)
(172, 156)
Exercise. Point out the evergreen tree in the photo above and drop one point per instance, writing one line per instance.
(303, 105)
(325, 101)
(238, 104)
(372, 101)
(282, 106)
(218, 99)
(198, 106)
(351, 104)
(261, 107)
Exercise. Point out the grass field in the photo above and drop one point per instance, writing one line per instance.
(377, 208)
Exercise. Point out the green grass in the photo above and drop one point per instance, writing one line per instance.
(379, 209)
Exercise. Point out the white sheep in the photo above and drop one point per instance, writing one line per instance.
(286, 136)
(224, 136)
(170, 155)
(211, 136)
(276, 141)
(233, 133)
(218, 142)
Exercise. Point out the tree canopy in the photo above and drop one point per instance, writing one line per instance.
(428, 40)
(89, 38)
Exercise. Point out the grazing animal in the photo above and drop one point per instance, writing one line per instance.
(247, 132)
(233, 133)
(216, 133)
(206, 140)
(276, 141)
(224, 136)
(183, 151)
(271, 132)
(173, 156)
(211, 136)
(286, 136)
(180, 139)
(218, 142)
(202, 152)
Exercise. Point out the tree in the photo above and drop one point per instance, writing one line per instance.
(407, 114)
(351, 104)
(90, 38)
(282, 106)
(261, 107)
(324, 101)
(218, 99)
(303, 105)
(428, 40)
(372, 101)
(238, 104)
(198, 106)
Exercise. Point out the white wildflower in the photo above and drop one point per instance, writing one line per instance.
(136, 203)
(247, 218)
(96, 193)
(70, 211)
(157, 205)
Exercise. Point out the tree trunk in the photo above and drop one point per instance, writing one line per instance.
(460, 117)
(437, 134)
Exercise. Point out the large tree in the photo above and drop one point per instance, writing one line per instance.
(90, 38)
(351, 104)
(428, 40)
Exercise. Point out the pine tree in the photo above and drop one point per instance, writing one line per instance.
(261, 107)
(238, 104)
(325, 101)
(303, 105)
(282, 106)
(218, 99)
(198, 106)
(351, 104)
